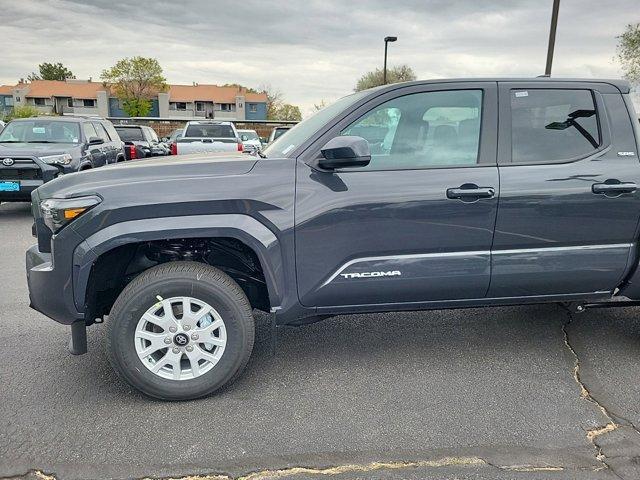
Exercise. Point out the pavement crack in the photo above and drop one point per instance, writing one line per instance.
(592, 434)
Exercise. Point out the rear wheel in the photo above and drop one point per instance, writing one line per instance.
(180, 331)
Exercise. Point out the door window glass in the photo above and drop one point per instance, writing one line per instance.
(102, 133)
(422, 130)
(89, 131)
(551, 125)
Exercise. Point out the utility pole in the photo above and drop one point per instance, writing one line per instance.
(552, 37)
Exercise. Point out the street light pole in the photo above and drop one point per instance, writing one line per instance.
(384, 70)
(552, 37)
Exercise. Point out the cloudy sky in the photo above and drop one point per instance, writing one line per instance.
(314, 49)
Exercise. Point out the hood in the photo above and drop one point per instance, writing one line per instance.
(35, 149)
(140, 174)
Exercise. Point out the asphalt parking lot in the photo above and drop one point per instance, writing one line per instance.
(472, 394)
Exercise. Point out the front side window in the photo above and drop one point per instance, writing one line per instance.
(89, 131)
(552, 125)
(102, 133)
(422, 130)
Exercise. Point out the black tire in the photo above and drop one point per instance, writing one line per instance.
(174, 279)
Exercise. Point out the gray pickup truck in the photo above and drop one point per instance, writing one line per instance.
(414, 196)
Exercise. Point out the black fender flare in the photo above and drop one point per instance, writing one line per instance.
(238, 226)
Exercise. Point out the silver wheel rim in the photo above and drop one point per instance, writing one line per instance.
(180, 338)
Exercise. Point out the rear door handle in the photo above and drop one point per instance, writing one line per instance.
(470, 191)
(614, 187)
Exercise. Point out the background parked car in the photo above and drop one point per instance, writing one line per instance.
(144, 137)
(208, 136)
(38, 149)
(173, 138)
(277, 132)
(250, 141)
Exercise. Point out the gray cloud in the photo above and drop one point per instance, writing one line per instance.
(315, 49)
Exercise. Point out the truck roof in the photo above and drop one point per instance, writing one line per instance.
(208, 122)
(622, 85)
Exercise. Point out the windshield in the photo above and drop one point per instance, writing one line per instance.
(305, 129)
(41, 131)
(130, 134)
(248, 134)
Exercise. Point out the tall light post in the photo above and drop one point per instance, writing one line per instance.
(552, 37)
(384, 71)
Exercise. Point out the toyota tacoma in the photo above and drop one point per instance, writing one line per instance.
(413, 196)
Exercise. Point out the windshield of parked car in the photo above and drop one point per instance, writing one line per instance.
(204, 130)
(296, 136)
(249, 134)
(40, 131)
(128, 134)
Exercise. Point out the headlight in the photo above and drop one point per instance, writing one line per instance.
(57, 212)
(64, 159)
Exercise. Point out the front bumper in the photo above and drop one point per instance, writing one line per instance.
(30, 173)
(50, 288)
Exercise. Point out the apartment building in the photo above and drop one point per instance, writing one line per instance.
(86, 97)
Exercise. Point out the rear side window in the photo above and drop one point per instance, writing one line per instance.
(553, 125)
(210, 131)
(128, 134)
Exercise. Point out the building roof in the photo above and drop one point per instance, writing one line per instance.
(71, 88)
(201, 92)
(177, 93)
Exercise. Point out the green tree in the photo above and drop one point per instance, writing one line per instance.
(288, 112)
(135, 81)
(51, 71)
(629, 53)
(400, 73)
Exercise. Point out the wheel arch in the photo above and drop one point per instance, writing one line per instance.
(124, 237)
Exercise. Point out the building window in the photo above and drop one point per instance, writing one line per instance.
(8, 101)
(177, 106)
(88, 102)
(253, 108)
(70, 102)
(227, 107)
(39, 102)
(199, 106)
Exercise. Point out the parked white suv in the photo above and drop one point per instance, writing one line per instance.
(250, 140)
(207, 136)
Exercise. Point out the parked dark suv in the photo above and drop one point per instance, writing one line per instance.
(36, 150)
(143, 137)
(413, 196)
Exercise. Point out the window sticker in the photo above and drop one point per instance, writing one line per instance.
(39, 130)
(522, 94)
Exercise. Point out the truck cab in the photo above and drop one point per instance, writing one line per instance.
(413, 196)
(207, 136)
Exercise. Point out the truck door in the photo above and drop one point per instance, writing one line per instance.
(569, 172)
(416, 224)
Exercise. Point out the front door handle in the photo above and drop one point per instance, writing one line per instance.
(470, 191)
(613, 187)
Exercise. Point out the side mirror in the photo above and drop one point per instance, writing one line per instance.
(95, 141)
(264, 139)
(344, 151)
(244, 138)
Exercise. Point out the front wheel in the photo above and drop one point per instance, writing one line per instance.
(180, 331)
